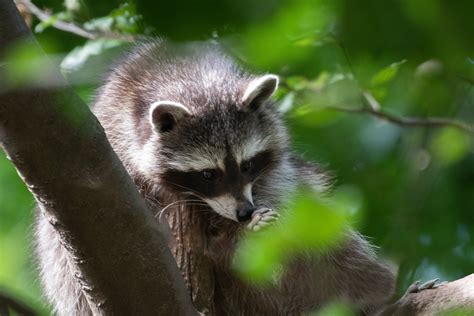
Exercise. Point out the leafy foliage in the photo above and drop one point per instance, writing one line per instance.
(312, 225)
(410, 189)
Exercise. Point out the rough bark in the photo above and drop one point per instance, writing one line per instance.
(453, 296)
(60, 150)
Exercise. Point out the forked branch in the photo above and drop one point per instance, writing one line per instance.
(72, 27)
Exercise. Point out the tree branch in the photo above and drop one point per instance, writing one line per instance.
(406, 121)
(453, 296)
(60, 150)
(401, 121)
(72, 27)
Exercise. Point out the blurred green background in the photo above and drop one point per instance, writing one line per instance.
(411, 188)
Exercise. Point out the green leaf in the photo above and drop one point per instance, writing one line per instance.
(76, 59)
(297, 83)
(311, 225)
(73, 5)
(450, 145)
(371, 101)
(457, 312)
(40, 27)
(124, 19)
(321, 81)
(259, 259)
(103, 24)
(386, 75)
(337, 77)
(60, 16)
(286, 104)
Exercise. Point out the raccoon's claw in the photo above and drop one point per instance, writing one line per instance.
(432, 284)
(261, 218)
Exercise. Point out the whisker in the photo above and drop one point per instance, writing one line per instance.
(197, 194)
(160, 213)
(187, 188)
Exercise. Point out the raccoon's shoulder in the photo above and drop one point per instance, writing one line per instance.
(312, 174)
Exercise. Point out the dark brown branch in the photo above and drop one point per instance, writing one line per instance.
(73, 27)
(60, 150)
(406, 121)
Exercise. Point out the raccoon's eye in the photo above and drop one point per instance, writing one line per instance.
(246, 166)
(209, 174)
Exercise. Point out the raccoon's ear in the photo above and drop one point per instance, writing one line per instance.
(259, 90)
(164, 115)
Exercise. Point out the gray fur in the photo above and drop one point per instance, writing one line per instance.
(210, 84)
(57, 271)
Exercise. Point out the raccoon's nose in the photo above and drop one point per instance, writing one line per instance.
(244, 211)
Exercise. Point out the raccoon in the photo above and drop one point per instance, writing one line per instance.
(193, 126)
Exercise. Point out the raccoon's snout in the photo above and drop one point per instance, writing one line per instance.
(244, 211)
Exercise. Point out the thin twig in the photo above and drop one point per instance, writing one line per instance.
(370, 106)
(72, 27)
(406, 121)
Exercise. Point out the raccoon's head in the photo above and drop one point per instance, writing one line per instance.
(223, 151)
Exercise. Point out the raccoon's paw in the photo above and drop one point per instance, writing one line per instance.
(261, 218)
(432, 284)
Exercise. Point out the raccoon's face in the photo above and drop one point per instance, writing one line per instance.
(221, 153)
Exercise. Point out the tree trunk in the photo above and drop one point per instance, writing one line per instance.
(60, 150)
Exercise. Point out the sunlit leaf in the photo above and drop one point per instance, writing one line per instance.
(379, 92)
(43, 25)
(371, 101)
(457, 312)
(103, 24)
(73, 5)
(126, 18)
(310, 225)
(297, 82)
(260, 257)
(321, 81)
(76, 59)
(386, 75)
(286, 104)
(123, 19)
(450, 145)
(336, 77)
(60, 16)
